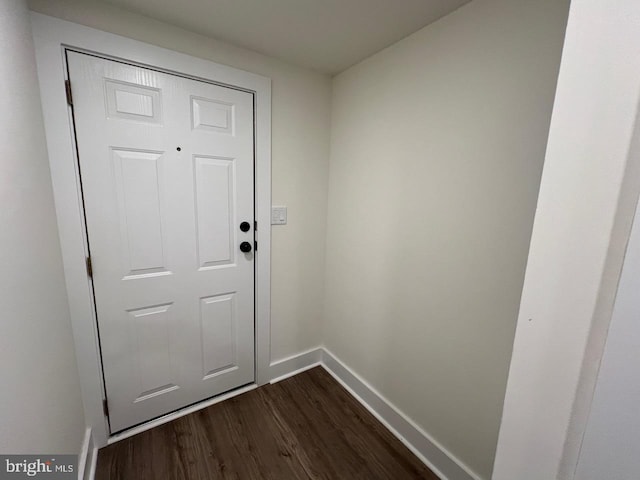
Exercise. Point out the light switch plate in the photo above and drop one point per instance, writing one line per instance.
(278, 215)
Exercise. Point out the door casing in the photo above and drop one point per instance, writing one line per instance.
(51, 37)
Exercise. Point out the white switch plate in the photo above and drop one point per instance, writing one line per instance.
(278, 215)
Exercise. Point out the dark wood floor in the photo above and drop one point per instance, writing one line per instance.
(305, 427)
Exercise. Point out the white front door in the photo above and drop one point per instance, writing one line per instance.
(166, 166)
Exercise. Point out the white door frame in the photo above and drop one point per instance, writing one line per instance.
(51, 37)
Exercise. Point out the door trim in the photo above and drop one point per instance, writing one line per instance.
(51, 37)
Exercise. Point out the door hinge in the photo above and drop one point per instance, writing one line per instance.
(255, 245)
(105, 407)
(67, 88)
(255, 225)
(89, 267)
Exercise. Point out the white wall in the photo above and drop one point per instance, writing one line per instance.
(611, 446)
(300, 153)
(437, 148)
(40, 405)
(588, 192)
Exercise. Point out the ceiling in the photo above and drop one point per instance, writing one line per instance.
(325, 35)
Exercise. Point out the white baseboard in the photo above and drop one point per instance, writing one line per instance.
(87, 457)
(428, 450)
(290, 366)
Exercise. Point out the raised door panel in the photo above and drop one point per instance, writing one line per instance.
(150, 329)
(218, 322)
(128, 101)
(215, 210)
(212, 115)
(139, 188)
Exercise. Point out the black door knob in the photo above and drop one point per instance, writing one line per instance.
(245, 247)
(245, 226)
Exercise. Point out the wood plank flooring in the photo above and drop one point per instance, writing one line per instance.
(304, 427)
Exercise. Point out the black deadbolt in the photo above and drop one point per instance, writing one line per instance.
(245, 226)
(245, 247)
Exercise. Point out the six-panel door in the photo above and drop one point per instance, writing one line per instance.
(166, 165)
